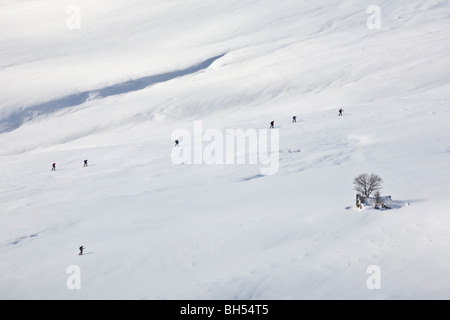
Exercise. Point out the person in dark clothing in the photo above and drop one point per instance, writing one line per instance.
(85, 163)
(177, 143)
(53, 166)
(340, 111)
(294, 119)
(272, 124)
(81, 251)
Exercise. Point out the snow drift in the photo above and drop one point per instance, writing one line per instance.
(114, 86)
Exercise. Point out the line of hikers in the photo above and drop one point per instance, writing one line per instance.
(177, 142)
(272, 124)
(294, 119)
(85, 164)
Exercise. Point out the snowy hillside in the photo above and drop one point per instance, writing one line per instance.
(116, 82)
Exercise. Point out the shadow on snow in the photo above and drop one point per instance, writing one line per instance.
(15, 120)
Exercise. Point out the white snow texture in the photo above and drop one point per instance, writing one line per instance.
(111, 81)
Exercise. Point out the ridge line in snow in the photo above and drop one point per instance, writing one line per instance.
(15, 120)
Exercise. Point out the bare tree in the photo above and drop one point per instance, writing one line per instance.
(365, 184)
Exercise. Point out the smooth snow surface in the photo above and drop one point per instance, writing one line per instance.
(114, 91)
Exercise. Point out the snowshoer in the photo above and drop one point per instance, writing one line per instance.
(81, 251)
(272, 124)
(177, 143)
(340, 111)
(53, 166)
(85, 163)
(294, 119)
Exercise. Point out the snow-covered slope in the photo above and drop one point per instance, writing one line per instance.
(116, 89)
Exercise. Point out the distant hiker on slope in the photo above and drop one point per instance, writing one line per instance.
(85, 163)
(81, 251)
(177, 143)
(53, 166)
(294, 119)
(272, 124)
(340, 111)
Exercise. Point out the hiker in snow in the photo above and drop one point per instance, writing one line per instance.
(294, 119)
(85, 163)
(272, 124)
(81, 251)
(53, 166)
(340, 111)
(177, 143)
